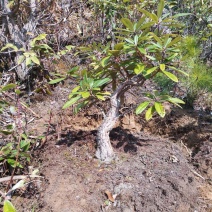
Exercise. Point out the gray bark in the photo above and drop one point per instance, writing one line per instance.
(104, 150)
(17, 34)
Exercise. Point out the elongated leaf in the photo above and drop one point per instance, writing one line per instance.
(114, 52)
(149, 71)
(101, 82)
(119, 46)
(75, 89)
(139, 23)
(147, 25)
(71, 102)
(149, 113)
(74, 69)
(104, 61)
(162, 67)
(80, 106)
(21, 59)
(8, 87)
(19, 184)
(176, 40)
(160, 109)
(136, 40)
(175, 101)
(129, 41)
(28, 61)
(85, 94)
(142, 50)
(69, 47)
(141, 107)
(139, 68)
(167, 41)
(180, 71)
(10, 45)
(171, 76)
(100, 97)
(8, 207)
(156, 38)
(160, 8)
(150, 57)
(181, 14)
(56, 80)
(40, 37)
(35, 60)
(150, 15)
(14, 163)
(127, 23)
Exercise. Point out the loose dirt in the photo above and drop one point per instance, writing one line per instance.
(163, 165)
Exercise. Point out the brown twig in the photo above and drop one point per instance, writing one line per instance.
(47, 132)
(22, 105)
(19, 140)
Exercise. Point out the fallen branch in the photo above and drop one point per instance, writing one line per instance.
(22, 105)
(18, 177)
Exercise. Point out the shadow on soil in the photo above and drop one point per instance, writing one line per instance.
(120, 139)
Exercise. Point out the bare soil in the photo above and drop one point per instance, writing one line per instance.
(163, 165)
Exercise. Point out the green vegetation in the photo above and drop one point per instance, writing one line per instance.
(129, 44)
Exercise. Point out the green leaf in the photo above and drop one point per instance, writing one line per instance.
(56, 80)
(85, 94)
(160, 109)
(127, 23)
(149, 113)
(149, 71)
(69, 47)
(150, 57)
(141, 107)
(8, 87)
(176, 40)
(71, 102)
(21, 59)
(8, 207)
(170, 76)
(74, 69)
(156, 38)
(139, 23)
(100, 97)
(114, 52)
(24, 145)
(35, 60)
(181, 14)
(162, 67)
(40, 37)
(180, 71)
(160, 8)
(129, 41)
(101, 82)
(150, 15)
(139, 68)
(147, 25)
(6, 132)
(28, 61)
(14, 163)
(10, 45)
(75, 89)
(119, 46)
(104, 61)
(80, 106)
(142, 50)
(136, 40)
(175, 101)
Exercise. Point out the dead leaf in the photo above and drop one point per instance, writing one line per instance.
(110, 196)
